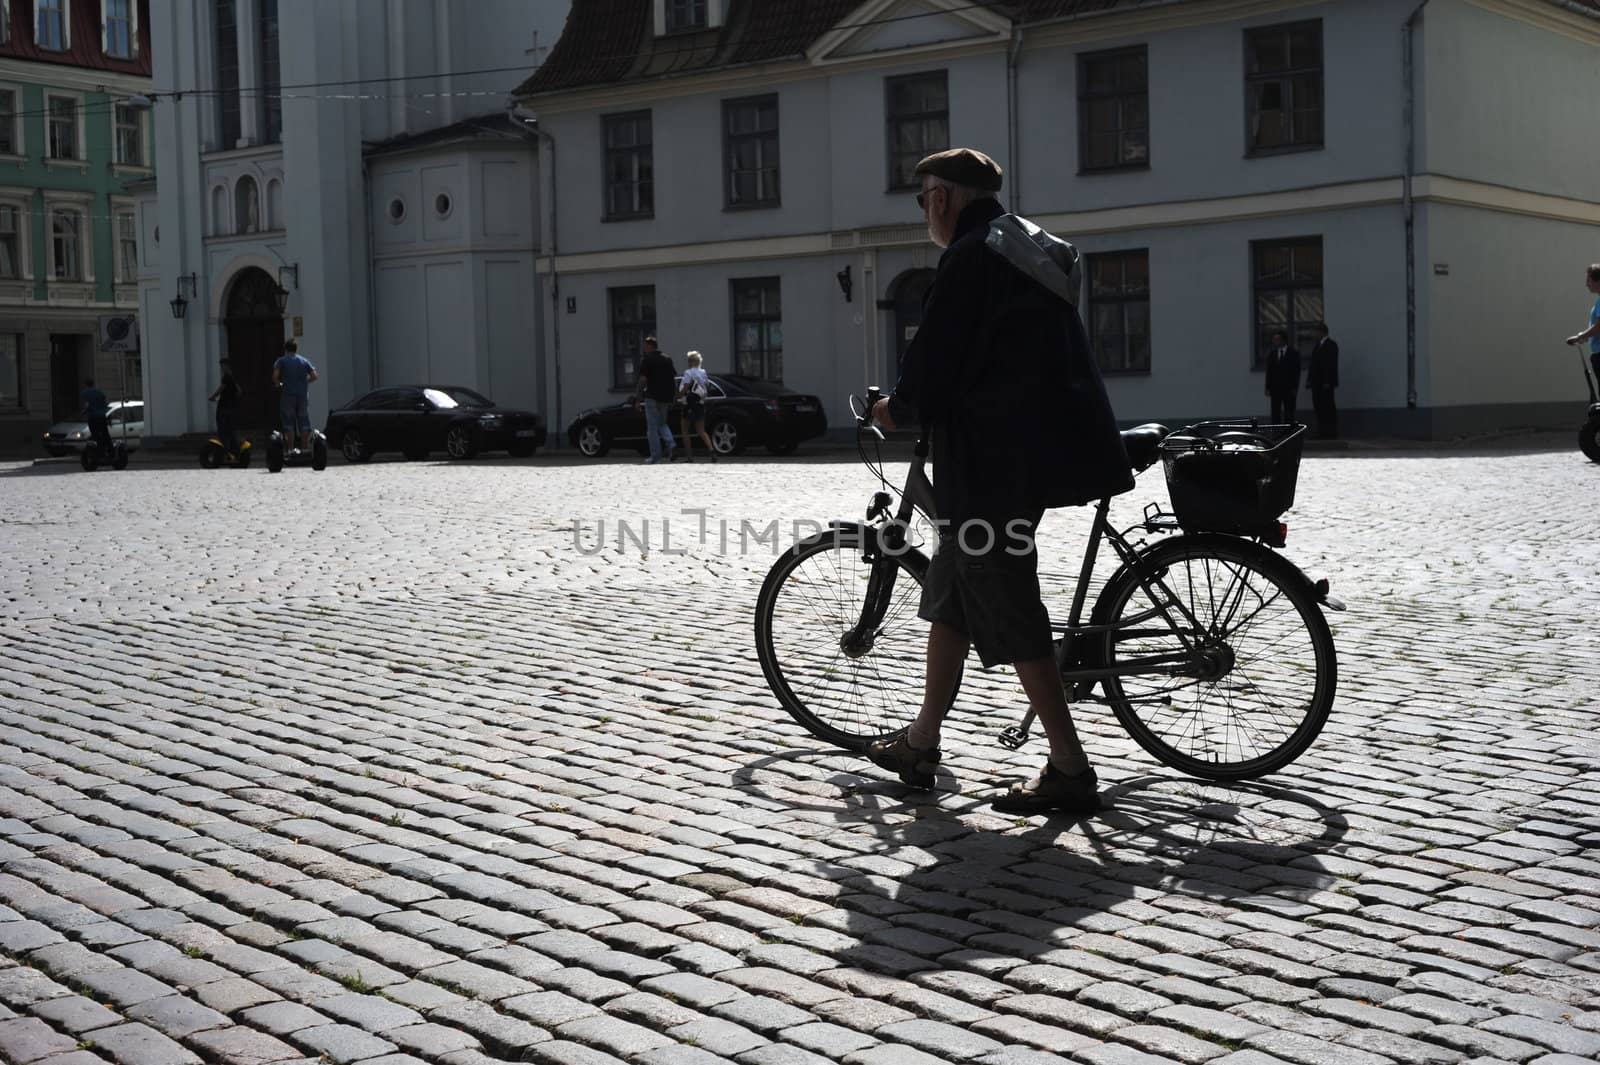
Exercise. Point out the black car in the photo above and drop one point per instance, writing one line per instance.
(418, 419)
(740, 412)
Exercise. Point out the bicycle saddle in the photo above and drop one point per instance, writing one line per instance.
(1143, 443)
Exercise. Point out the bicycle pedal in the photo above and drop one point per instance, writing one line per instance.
(1012, 738)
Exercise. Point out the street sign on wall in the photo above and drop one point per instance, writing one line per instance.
(119, 333)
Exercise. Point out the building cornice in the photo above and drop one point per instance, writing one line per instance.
(989, 28)
(73, 78)
(1427, 188)
(1546, 16)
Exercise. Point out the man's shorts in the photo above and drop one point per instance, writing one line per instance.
(294, 414)
(990, 591)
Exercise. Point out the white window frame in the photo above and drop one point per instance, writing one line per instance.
(124, 211)
(82, 206)
(19, 148)
(81, 158)
(5, 21)
(116, 137)
(58, 213)
(24, 238)
(66, 25)
(133, 30)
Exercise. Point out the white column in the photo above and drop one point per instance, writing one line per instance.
(248, 16)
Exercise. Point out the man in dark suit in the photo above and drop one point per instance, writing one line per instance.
(1322, 377)
(1283, 379)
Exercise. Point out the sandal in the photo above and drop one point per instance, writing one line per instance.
(1052, 791)
(913, 765)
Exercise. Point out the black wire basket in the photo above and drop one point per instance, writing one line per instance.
(1232, 477)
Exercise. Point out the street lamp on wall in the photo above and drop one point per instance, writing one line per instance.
(280, 296)
(289, 275)
(179, 304)
(845, 284)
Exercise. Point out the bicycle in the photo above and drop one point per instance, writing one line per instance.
(1211, 648)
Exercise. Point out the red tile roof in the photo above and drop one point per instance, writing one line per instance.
(609, 41)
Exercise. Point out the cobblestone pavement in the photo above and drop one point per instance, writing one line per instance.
(375, 765)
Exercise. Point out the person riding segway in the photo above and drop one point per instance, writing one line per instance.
(96, 408)
(297, 444)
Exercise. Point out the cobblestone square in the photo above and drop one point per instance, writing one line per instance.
(407, 763)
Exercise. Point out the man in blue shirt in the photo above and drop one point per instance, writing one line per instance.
(96, 408)
(294, 373)
(1592, 334)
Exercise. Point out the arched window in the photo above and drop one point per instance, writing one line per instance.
(274, 204)
(246, 206)
(219, 211)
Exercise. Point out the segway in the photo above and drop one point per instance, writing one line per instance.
(216, 454)
(279, 456)
(94, 456)
(1589, 435)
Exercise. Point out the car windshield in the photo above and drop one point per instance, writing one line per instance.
(753, 385)
(449, 398)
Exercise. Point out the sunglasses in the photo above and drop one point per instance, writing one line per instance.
(922, 199)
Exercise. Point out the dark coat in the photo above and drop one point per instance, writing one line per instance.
(1001, 378)
(1283, 374)
(1324, 369)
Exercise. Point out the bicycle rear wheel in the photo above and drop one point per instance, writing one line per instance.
(1257, 680)
(848, 671)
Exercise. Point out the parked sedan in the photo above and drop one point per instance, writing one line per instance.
(125, 422)
(416, 420)
(740, 412)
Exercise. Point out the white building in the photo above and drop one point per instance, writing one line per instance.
(342, 172)
(733, 175)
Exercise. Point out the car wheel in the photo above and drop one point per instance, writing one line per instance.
(355, 449)
(522, 451)
(593, 441)
(461, 442)
(784, 448)
(725, 437)
(416, 454)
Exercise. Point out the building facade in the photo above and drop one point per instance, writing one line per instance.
(734, 176)
(74, 137)
(303, 192)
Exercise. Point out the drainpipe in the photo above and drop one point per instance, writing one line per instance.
(529, 124)
(1013, 145)
(1408, 205)
(372, 284)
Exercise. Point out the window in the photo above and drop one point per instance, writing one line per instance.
(229, 126)
(686, 15)
(919, 123)
(65, 228)
(119, 28)
(751, 151)
(10, 243)
(9, 143)
(10, 371)
(271, 76)
(633, 317)
(1288, 290)
(1283, 87)
(246, 206)
(63, 111)
(1119, 311)
(1113, 110)
(50, 31)
(758, 328)
(630, 174)
(127, 248)
(130, 135)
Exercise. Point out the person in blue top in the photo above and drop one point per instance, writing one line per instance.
(294, 373)
(1592, 334)
(96, 408)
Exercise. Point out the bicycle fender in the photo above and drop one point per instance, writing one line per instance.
(1318, 589)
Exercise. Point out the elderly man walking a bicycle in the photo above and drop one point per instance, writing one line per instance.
(1002, 382)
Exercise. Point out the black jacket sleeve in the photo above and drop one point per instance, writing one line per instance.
(952, 316)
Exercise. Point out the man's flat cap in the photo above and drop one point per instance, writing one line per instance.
(963, 166)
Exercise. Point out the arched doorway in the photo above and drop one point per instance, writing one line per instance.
(905, 293)
(254, 328)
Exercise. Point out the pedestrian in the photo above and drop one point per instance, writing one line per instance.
(1001, 381)
(1283, 379)
(656, 388)
(1592, 334)
(96, 408)
(294, 373)
(226, 397)
(693, 389)
(1322, 377)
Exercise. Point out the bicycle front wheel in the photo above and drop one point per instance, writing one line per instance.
(839, 638)
(1250, 667)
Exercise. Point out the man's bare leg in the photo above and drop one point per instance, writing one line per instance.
(1042, 681)
(947, 651)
